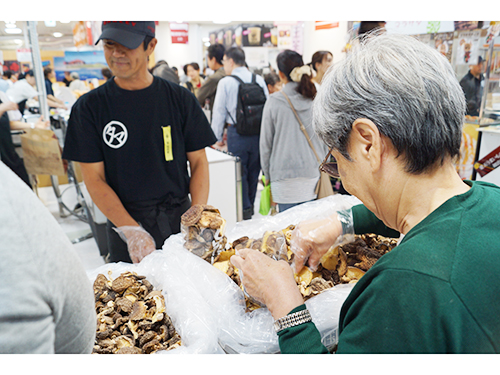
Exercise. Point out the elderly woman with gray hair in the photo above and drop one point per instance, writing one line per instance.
(392, 115)
(287, 159)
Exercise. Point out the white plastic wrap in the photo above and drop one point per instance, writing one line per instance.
(187, 309)
(253, 332)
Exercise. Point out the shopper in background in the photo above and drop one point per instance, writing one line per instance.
(321, 61)
(395, 138)
(76, 84)
(8, 77)
(67, 78)
(472, 86)
(106, 74)
(49, 75)
(47, 301)
(273, 82)
(195, 81)
(209, 87)
(162, 70)
(286, 157)
(224, 112)
(24, 89)
(133, 137)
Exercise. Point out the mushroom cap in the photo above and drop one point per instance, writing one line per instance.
(193, 214)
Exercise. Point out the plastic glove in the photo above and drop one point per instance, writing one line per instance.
(311, 239)
(139, 242)
(268, 281)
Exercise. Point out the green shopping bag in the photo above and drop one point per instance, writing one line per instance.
(265, 198)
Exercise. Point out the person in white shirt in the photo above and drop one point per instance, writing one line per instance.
(25, 89)
(224, 112)
(76, 83)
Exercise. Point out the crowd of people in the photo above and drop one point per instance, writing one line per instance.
(140, 139)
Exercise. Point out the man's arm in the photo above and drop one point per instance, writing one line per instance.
(199, 184)
(207, 88)
(104, 196)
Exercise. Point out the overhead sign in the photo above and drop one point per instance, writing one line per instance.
(24, 54)
(419, 27)
(322, 25)
(179, 32)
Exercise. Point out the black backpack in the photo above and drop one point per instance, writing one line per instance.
(250, 104)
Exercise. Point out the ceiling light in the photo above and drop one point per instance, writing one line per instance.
(205, 39)
(221, 22)
(207, 44)
(50, 23)
(10, 25)
(64, 21)
(57, 34)
(13, 31)
(18, 41)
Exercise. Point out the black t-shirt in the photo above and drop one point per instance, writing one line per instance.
(129, 131)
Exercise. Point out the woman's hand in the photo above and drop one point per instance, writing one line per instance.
(268, 281)
(40, 124)
(311, 239)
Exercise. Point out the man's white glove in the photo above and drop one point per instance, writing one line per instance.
(139, 242)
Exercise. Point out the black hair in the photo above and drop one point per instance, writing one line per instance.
(106, 73)
(8, 74)
(216, 50)
(318, 58)
(29, 73)
(237, 54)
(47, 71)
(147, 40)
(289, 60)
(194, 65)
(271, 79)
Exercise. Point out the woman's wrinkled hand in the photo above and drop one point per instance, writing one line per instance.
(269, 281)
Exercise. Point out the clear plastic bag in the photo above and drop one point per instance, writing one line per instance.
(239, 331)
(196, 325)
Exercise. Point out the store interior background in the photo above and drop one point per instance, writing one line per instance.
(56, 38)
(176, 54)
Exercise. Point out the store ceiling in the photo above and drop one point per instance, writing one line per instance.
(47, 41)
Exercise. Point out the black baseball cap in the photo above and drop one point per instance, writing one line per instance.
(128, 33)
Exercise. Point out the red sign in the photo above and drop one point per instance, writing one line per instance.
(179, 32)
(88, 27)
(322, 25)
(488, 163)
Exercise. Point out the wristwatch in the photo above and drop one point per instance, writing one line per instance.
(292, 320)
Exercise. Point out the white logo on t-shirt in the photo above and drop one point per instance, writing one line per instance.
(115, 134)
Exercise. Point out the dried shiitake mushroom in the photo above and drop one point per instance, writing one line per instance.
(131, 317)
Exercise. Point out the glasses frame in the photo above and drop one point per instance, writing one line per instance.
(330, 168)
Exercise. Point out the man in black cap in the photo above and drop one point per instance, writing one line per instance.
(133, 137)
(471, 84)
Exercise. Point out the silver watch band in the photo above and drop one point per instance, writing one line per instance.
(292, 320)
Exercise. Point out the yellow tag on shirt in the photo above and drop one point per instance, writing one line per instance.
(167, 141)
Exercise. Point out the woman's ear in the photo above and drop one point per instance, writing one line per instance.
(365, 143)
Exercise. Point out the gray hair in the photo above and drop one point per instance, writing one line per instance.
(75, 75)
(407, 89)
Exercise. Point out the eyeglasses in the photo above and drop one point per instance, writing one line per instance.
(330, 168)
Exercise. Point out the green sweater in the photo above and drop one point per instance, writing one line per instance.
(438, 291)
